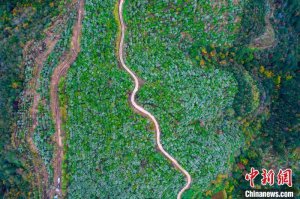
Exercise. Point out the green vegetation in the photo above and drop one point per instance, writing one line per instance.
(189, 95)
(21, 25)
(44, 132)
(110, 148)
(278, 71)
(21, 21)
(200, 81)
(190, 83)
(226, 99)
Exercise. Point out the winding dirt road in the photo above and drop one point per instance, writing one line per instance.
(60, 71)
(32, 91)
(142, 111)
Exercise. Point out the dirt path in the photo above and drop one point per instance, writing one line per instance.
(267, 39)
(40, 54)
(40, 168)
(60, 71)
(145, 113)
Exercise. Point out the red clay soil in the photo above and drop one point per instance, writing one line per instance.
(41, 56)
(34, 110)
(60, 71)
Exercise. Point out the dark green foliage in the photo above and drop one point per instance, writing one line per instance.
(253, 21)
(279, 137)
(283, 124)
(11, 170)
(20, 22)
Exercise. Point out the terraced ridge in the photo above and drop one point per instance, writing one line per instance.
(60, 71)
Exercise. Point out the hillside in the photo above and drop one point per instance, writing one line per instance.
(147, 99)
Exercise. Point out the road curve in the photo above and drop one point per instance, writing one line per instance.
(60, 71)
(146, 113)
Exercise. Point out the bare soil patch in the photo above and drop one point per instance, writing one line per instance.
(60, 71)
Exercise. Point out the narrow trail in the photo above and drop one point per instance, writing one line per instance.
(60, 71)
(34, 110)
(144, 112)
(39, 166)
(267, 39)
